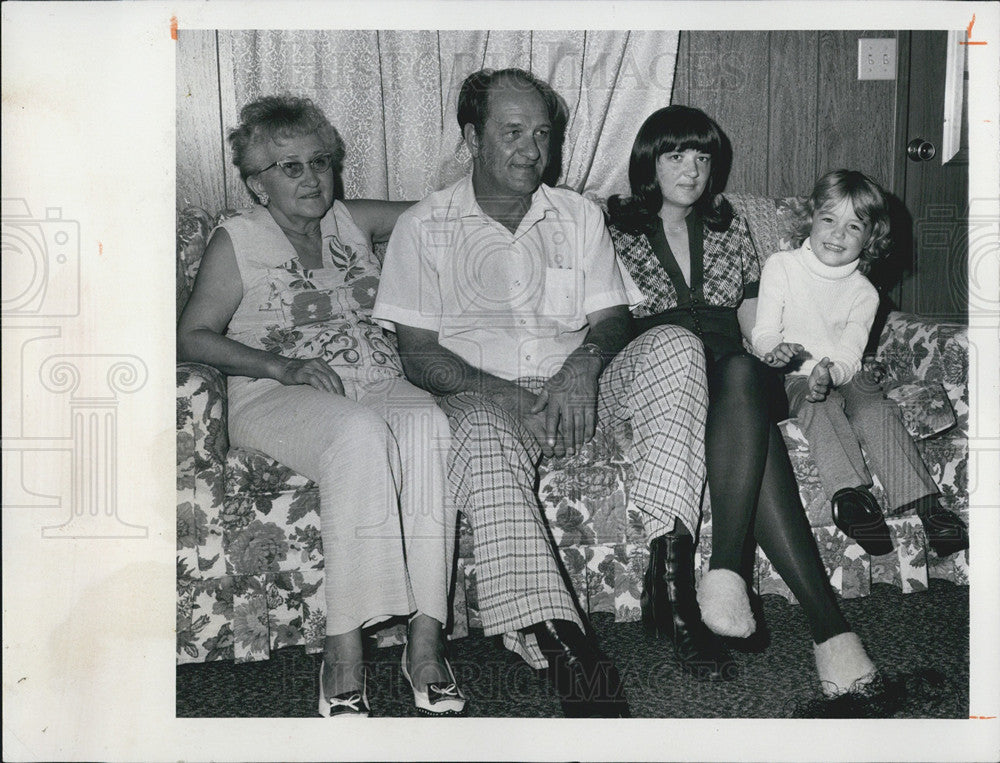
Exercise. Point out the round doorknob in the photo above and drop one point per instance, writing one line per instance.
(920, 150)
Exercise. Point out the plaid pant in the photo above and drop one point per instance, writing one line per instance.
(657, 386)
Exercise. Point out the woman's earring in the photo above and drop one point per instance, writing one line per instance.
(263, 198)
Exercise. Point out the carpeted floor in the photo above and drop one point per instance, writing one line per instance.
(922, 632)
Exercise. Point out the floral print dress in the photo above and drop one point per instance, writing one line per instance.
(299, 313)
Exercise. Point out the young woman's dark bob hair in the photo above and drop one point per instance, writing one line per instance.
(674, 128)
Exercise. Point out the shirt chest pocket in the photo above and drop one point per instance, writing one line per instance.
(562, 297)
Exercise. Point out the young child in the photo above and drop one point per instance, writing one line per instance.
(814, 314)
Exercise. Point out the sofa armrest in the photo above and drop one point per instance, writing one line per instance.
(922, 350)
(202, 445)
(202, 408)
(908, 346)
(202, 434)
(925, 408)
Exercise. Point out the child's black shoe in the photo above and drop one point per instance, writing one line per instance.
(945, 531)
(857, 514)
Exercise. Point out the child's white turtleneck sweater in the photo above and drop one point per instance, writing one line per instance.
(829, 310)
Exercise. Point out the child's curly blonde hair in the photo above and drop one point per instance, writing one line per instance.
(870, 205)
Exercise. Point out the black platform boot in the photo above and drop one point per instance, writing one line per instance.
(586, 680)
(670, 610)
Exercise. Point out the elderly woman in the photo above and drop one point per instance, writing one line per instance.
(282, 304)
(694, 260)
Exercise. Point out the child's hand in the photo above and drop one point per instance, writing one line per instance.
(820, 381)
(782, 354)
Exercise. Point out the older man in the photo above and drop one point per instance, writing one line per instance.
(508, 303)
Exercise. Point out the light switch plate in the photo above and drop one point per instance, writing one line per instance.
(876, 58)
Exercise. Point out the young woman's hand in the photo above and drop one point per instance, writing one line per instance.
(820, 381)
(312, 371)
(782, 354)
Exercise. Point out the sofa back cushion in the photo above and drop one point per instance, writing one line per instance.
(193, 227)
(776, 225)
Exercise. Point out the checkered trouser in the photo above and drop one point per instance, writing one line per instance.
(657, 385)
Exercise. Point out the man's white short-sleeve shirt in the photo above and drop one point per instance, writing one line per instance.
(512, 304)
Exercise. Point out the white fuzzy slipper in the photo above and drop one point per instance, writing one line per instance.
(843, 665)
(725, 608)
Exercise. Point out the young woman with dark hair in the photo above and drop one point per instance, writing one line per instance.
(695, 261)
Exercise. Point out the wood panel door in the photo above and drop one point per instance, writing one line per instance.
(932, 246)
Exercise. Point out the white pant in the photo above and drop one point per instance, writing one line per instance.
(387, 522)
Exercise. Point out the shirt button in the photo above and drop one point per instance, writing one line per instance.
(527, 357)
(522, 321)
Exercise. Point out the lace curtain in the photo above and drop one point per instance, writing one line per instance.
(392, 95)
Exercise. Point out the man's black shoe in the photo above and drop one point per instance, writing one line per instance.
(585, 679)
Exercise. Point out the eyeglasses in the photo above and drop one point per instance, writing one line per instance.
(294, 169)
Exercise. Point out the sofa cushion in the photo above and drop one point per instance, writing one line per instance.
(793, 222)
(584, 495)
(761, 215)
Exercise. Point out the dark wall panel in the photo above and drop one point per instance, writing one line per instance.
(791, 109)
(791, 103)
(856, 119)
(728, 79)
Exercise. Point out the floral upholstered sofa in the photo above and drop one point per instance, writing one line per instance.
(249, 556)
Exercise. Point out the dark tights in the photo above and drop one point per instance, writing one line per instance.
(750, 480)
